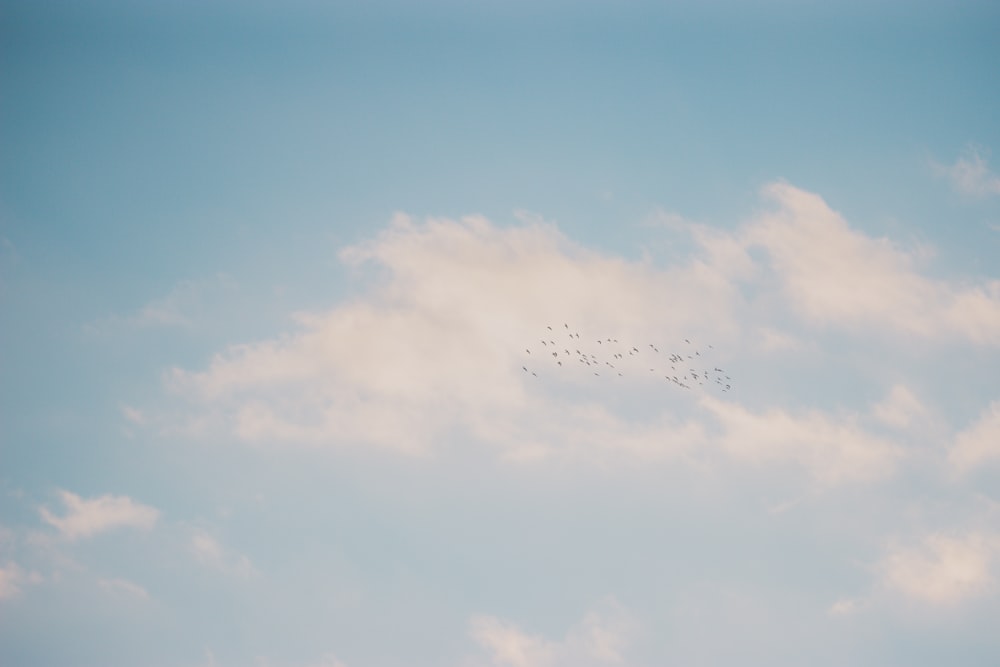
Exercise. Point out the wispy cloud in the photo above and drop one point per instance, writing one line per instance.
(601, 638)
(940, 569)
(971, 175)
(832, 449)
(13, 578)
(212, 554)
(846, 606)
(86, 518)
(979, 443)
(943, 569)
(124, 587)
(184, 307)
(838, 277)
(900, 409)
(329, 660)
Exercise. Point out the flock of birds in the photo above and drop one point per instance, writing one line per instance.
(686, 368)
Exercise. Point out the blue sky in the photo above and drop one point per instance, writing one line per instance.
(269, 278)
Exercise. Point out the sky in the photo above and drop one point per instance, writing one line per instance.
(480, 334)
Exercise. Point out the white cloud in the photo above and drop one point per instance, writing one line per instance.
(836, 276)
(833, 450)
(133, 415)
(210, 553)
(13, 577)
(182, 307)
(435, 346)
(943, 569)
(971, 175)
(124, 587)
(439, 343)
(85, 518)
(900, 409)
(979, 443)
(599, 639)
(846, 606)
(329, 660)
(771, 340)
